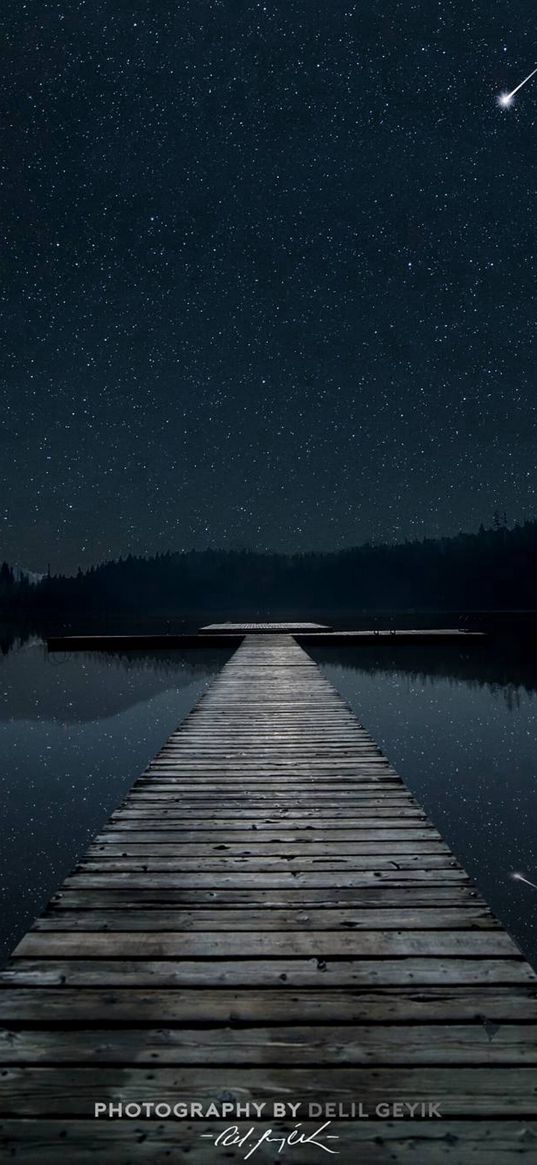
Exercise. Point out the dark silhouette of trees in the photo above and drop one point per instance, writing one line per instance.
(493, 569)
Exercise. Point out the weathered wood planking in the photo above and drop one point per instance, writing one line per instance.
(291, 972)
(269, 913)
(227, 1007)
(465, 1142)
(263, 628)
(68, 1090)
(103, 919)
(345, 1044)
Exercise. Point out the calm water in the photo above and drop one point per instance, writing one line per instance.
(461, 729)
(76, 730)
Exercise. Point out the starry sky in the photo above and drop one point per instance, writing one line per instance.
(267, 273)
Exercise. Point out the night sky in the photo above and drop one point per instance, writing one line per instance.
(268, 273)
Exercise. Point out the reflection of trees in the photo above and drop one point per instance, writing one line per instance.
(13, 636)
(503, 669)
(185, 663)
(77, 687)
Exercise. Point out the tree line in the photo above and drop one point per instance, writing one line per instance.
(493, 569)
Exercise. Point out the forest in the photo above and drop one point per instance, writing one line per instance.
(490, 570)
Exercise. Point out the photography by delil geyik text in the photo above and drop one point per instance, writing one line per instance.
(264, 1110)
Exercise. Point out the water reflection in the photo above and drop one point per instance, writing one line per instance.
(81, 686)
(75, 731)
(501, 666)
(461, 728)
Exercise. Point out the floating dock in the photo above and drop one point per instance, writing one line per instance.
(264, 628)
(269, 916)
(140, 642)
(232, 634)
(396, 637)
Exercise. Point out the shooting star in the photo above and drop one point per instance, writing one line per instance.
(521, 878)
(506, 99)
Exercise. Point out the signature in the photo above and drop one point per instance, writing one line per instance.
(233, 1136)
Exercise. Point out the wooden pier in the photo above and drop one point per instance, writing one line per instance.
(269, 916)
(232, 634)
(263, 628)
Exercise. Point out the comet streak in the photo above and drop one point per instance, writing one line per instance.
(521, 878)
(505, 99)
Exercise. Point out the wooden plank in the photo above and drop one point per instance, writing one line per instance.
(261, 972)
(257, 628)
(350, 755)
(355, 761)
(372, 895)
(267, 880)
(282, 823)
(273, 809)
(253, 848)
(316, 793)
(476, 1092)
(271, 944)
(230, 799)
(373, 1142)
(334, 773)
(268, 838)
(371, 815)
(393, 856)
(347, 1044)
(229, 790)
(260, 803)
(135, 917)
(331, 784)
(490, 1004)
(303, 741)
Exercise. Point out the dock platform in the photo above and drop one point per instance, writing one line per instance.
(232, 634)
(269, 916)
(264, 628)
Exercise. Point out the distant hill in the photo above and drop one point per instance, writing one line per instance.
(488, 570)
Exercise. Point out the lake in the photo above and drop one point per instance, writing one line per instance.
(75, 732)
(460, 727)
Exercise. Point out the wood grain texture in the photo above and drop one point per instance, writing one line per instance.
(306, 1046)
(268, 913)
(63, 1006)
(136, 917)
(369, 1141)
(464, 1092)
